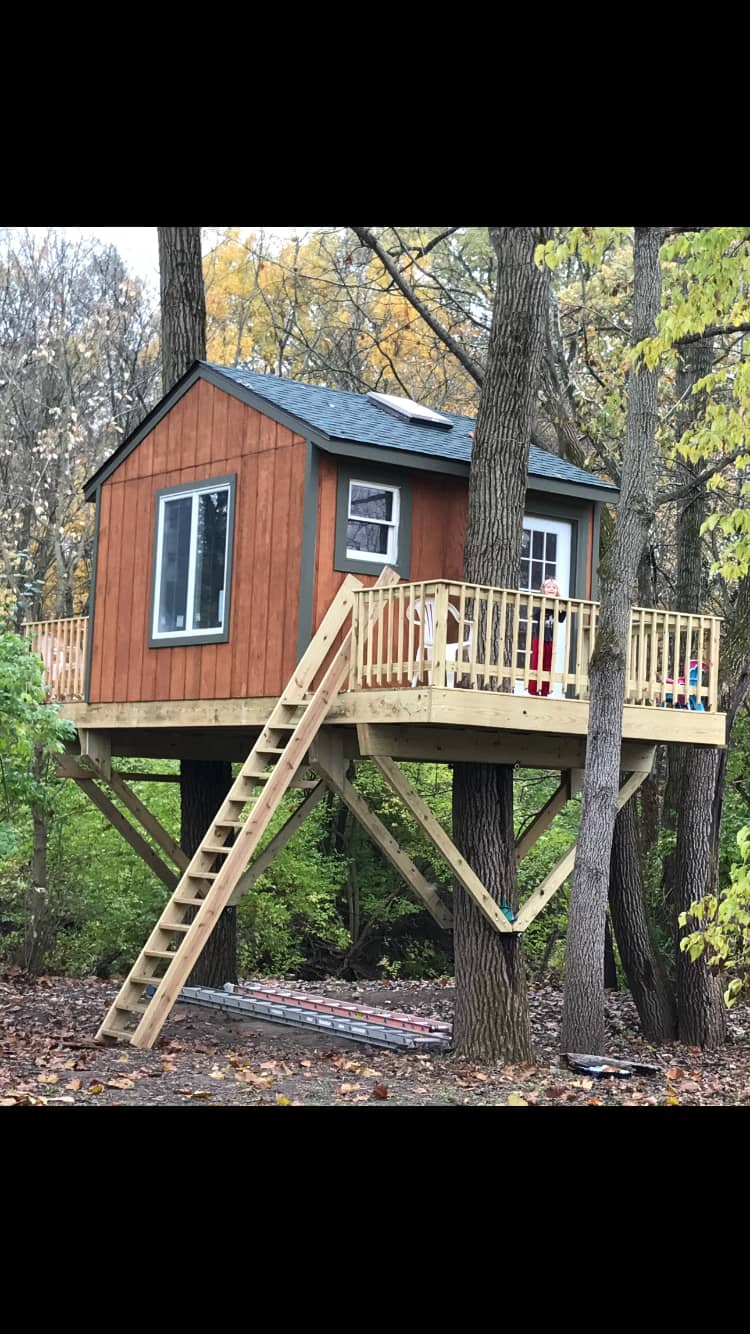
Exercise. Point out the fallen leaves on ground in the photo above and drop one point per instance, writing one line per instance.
(48, 1057)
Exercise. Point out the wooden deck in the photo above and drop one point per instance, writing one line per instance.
(453, 657)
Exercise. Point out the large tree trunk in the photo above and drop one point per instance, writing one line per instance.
(204, 784)
(648, 986)
(692, 770)
(583, 1006)
(491, 1018)
(183, 301)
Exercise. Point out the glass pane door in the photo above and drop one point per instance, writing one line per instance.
(545, 554)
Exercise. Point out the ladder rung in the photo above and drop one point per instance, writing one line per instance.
(174, 926)
(143, 980)
(118, 1033)
(135, 1008)
(201, 875)
(189, 903)
(160, 954)
(254, 779)
(270, 750)
(216, 847)
(229, 824)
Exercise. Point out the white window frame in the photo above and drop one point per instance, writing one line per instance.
(190, 632)
(390, 556)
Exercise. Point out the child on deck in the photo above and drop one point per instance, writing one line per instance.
(552, 589)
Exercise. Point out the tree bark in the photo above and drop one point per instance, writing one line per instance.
(648, 986)
(692, 770)
(204, 786)
(491, 1018)
(583, 1005)
(183, 302)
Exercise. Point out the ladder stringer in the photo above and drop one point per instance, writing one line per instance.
(208, 883)
(564, 868)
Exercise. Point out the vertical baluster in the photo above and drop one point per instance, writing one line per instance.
(687, 658)
(675, 666)
(400, 648)
(654, 653)
(488, 640)
(579, 681)
(516, 637)
(477, 595)
(412, 614)
(530, 599)
(461, 636)
(441, 635)
(355, 643)
(568, 632)
(713, 670)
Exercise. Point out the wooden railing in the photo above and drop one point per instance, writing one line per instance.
(61, 645)
(466, 635)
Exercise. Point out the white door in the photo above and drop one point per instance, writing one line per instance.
(545, 554)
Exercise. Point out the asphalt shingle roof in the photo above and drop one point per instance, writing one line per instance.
(341, 415)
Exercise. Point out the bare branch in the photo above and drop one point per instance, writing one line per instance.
(368, 239)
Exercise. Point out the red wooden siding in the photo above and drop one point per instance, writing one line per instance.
(207, 433)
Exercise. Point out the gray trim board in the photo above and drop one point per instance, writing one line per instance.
(391, 458)
(309, 542)
(596, 555)
(377, 476)
(92, 599)
(193, 640)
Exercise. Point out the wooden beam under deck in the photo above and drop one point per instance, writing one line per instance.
(478, 710)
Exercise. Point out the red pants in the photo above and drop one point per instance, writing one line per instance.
(534, 688)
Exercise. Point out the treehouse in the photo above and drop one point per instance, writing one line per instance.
(277, 582)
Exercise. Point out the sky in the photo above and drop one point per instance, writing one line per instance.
(138, 245)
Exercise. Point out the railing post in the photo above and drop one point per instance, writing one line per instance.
(441, 635)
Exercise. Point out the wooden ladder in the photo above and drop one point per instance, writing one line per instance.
(170, 953)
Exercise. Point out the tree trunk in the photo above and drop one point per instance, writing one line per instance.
(491, 1018)
(692, 771)
(183, 302)
(648, 986)
(204, 786)
(583, 1006)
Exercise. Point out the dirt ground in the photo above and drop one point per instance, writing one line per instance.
(48, 1057)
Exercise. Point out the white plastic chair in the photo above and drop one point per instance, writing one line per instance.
(422, 613)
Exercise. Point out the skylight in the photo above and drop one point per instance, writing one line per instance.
(408, 410)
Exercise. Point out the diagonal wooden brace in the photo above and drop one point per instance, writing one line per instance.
(545, 816)
(85, 781)
(400, 784)
(564, 868)
(279, 840)
(327, 758)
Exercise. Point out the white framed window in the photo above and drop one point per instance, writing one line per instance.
(192, 563)
(372, 522)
